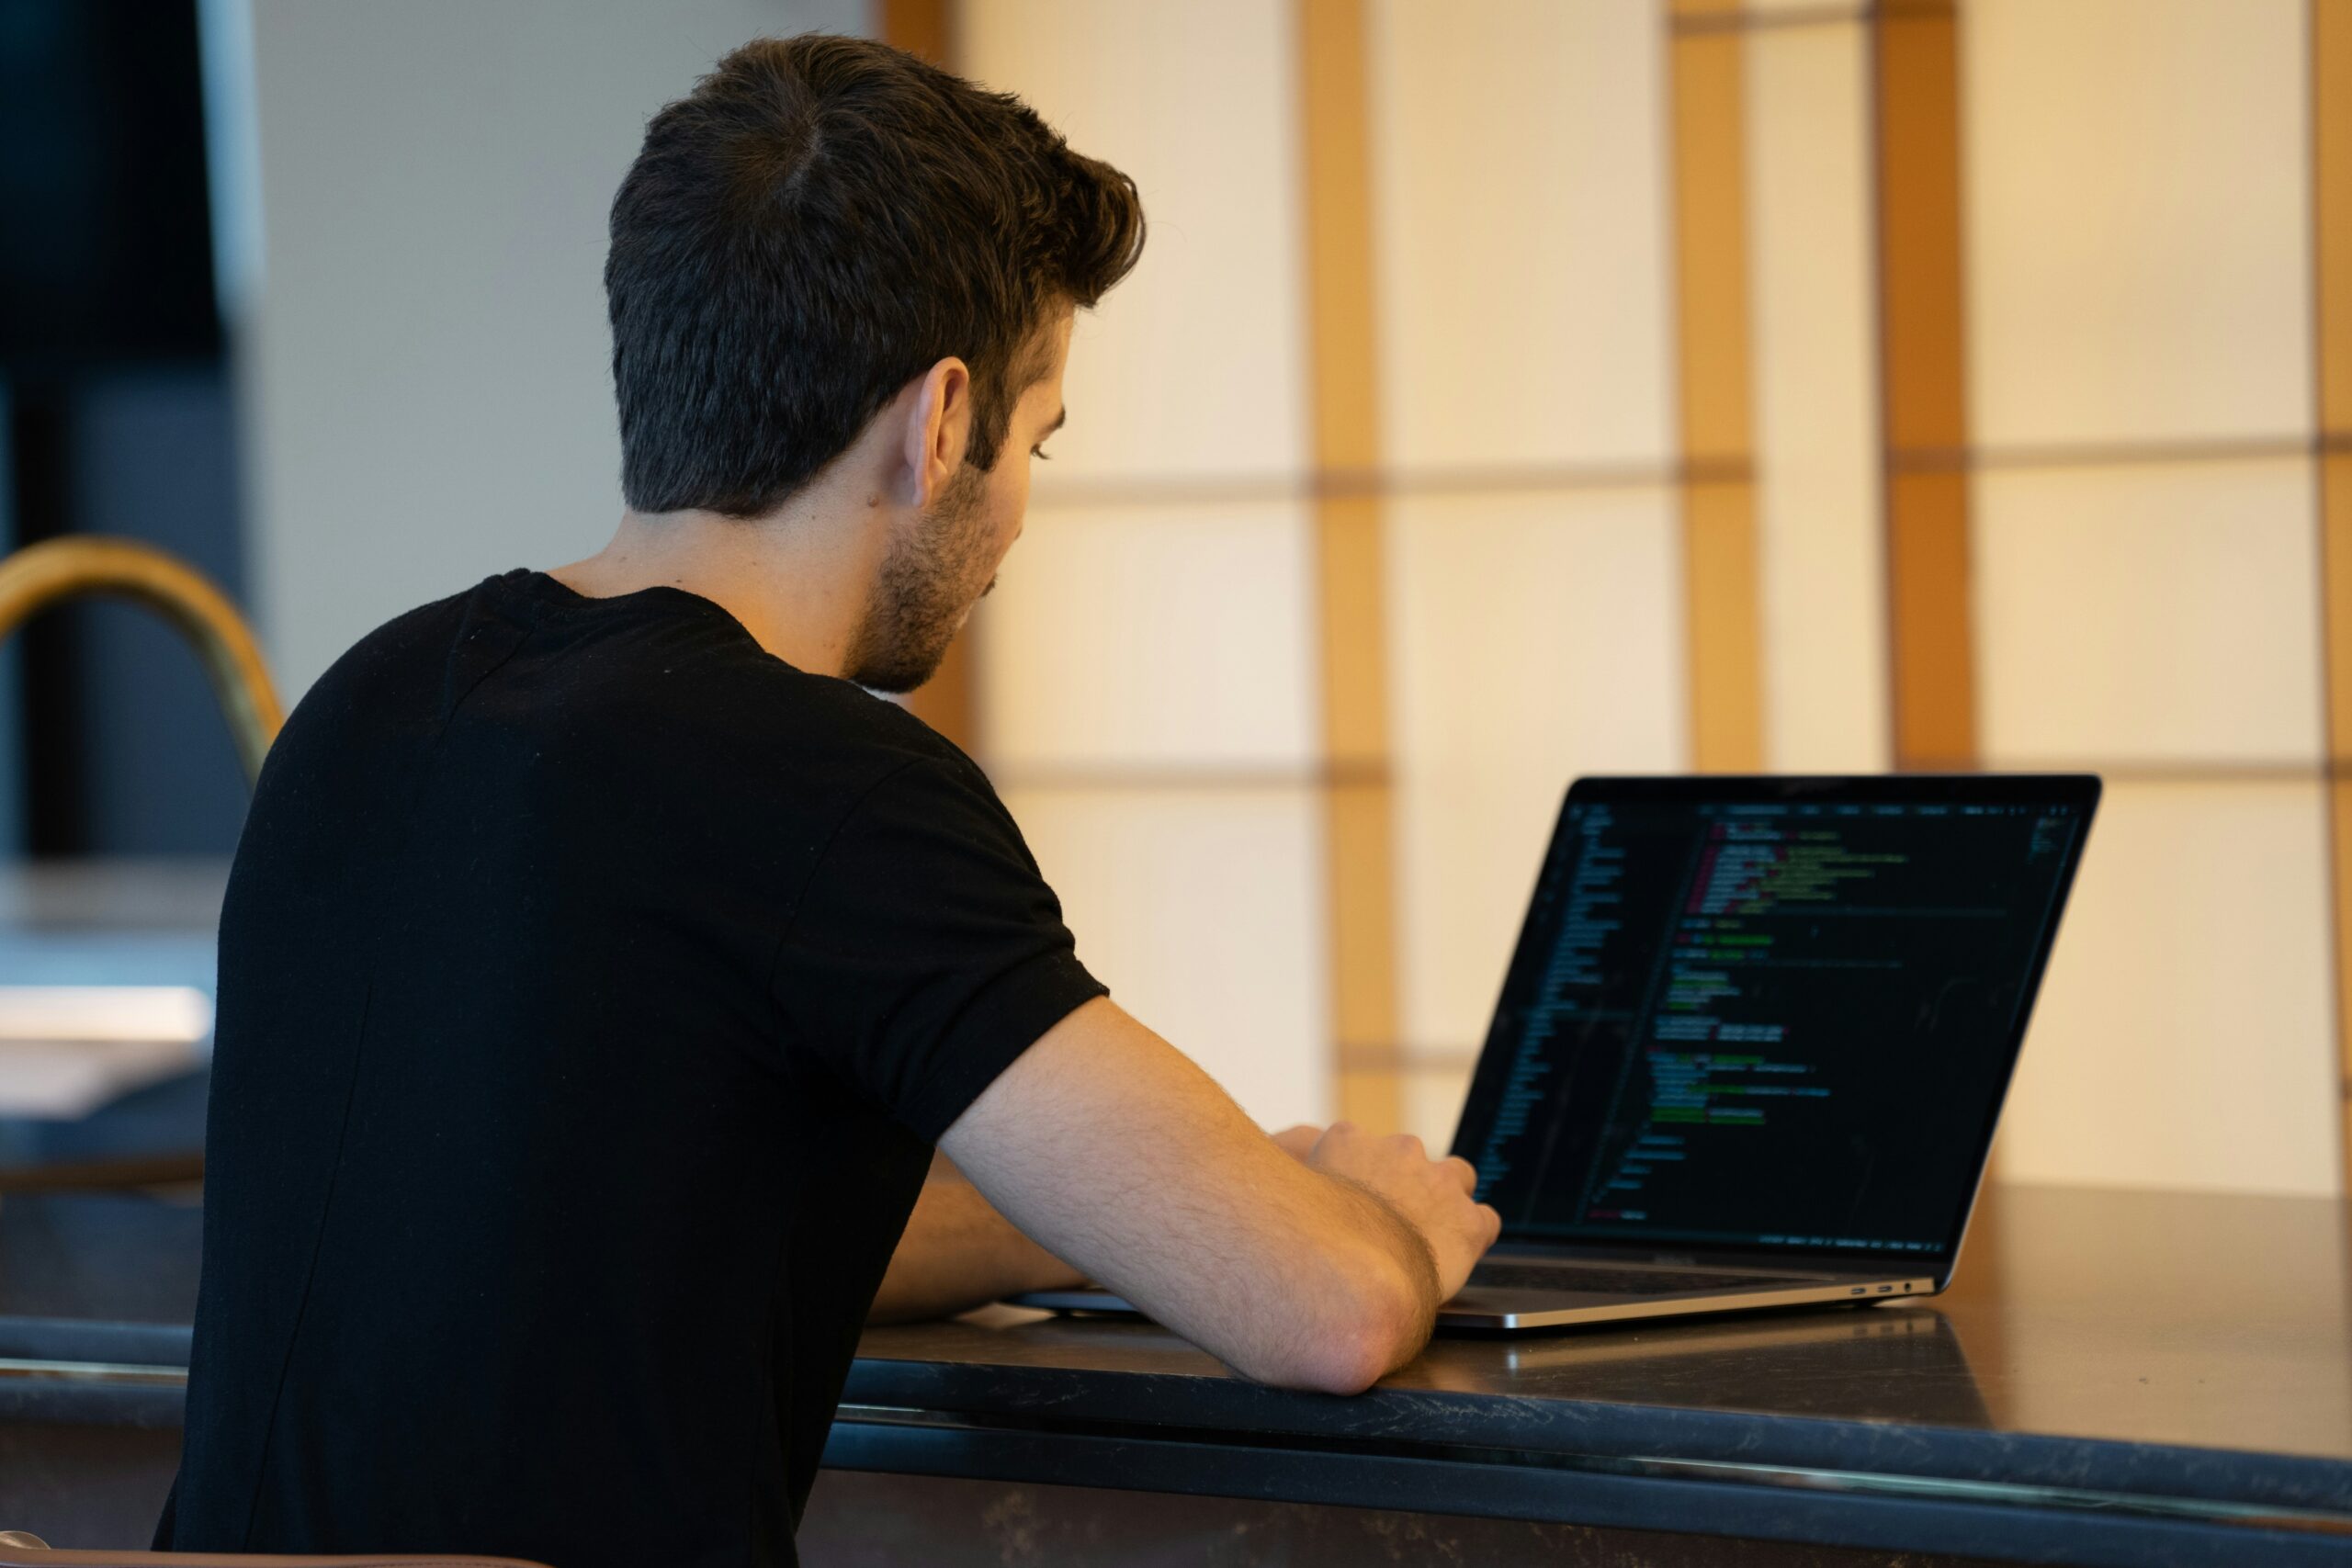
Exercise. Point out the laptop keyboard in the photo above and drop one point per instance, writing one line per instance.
(1604, 1280)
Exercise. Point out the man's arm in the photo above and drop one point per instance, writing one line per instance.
(957, 1253)
(1116, 1154)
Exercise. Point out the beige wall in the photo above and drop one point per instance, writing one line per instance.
(2138, 325)
(1147, 690)
(2139, 193)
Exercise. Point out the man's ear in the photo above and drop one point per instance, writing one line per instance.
(939, 428)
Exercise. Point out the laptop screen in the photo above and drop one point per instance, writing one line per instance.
(1770, 1014)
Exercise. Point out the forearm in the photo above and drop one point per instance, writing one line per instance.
(958, 1253)
(1324, 1285)
(1129, 1161)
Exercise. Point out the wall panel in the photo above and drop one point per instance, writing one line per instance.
(1520, 217)
(1201, 910)
(2155, 613)
(1822, 566)
(1535, 638)
(1172, 637)
(2139, 220)
(2181, 1039)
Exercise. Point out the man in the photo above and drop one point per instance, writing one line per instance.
(602, 965)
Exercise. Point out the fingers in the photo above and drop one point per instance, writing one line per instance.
(1436, 1196)
(1297, 1142)
(1402, 1151)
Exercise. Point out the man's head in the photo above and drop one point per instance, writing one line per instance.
(827, 231)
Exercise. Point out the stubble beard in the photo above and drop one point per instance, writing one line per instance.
(924, 592)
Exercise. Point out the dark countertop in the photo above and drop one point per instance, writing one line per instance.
(2195, 1346)
(2140, 1351)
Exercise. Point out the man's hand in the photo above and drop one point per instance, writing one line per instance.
(1436, 1197)
(1429, 1194)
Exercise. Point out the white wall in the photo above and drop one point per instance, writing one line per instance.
(428, 393)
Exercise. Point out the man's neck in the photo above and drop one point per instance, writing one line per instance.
(798, 580)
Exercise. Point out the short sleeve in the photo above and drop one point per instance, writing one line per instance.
(926, 952)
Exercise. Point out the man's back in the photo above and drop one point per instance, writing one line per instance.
(595, 983)
(583, 1034)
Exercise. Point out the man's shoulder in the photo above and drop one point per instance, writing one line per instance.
(711, 683)
(384, 673)
(420, 639)
(672, 682)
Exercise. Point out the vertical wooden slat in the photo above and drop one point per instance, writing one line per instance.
(947, 701)
(1923, 382)
(1922, 385)
(1360, 807)
(926, 27)
(1723, 634)
(2331, 48)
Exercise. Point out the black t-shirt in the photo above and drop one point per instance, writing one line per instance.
(594, 986)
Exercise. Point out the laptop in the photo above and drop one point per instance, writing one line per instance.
(1754, 1040)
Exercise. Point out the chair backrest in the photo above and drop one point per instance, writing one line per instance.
(36, 1555)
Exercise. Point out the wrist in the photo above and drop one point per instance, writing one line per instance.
(1408, 1248)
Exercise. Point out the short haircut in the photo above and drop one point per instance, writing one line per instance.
(818, 223)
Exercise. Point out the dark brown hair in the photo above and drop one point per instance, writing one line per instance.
(818, 223)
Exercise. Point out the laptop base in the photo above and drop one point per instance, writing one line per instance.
(1492, 1310)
